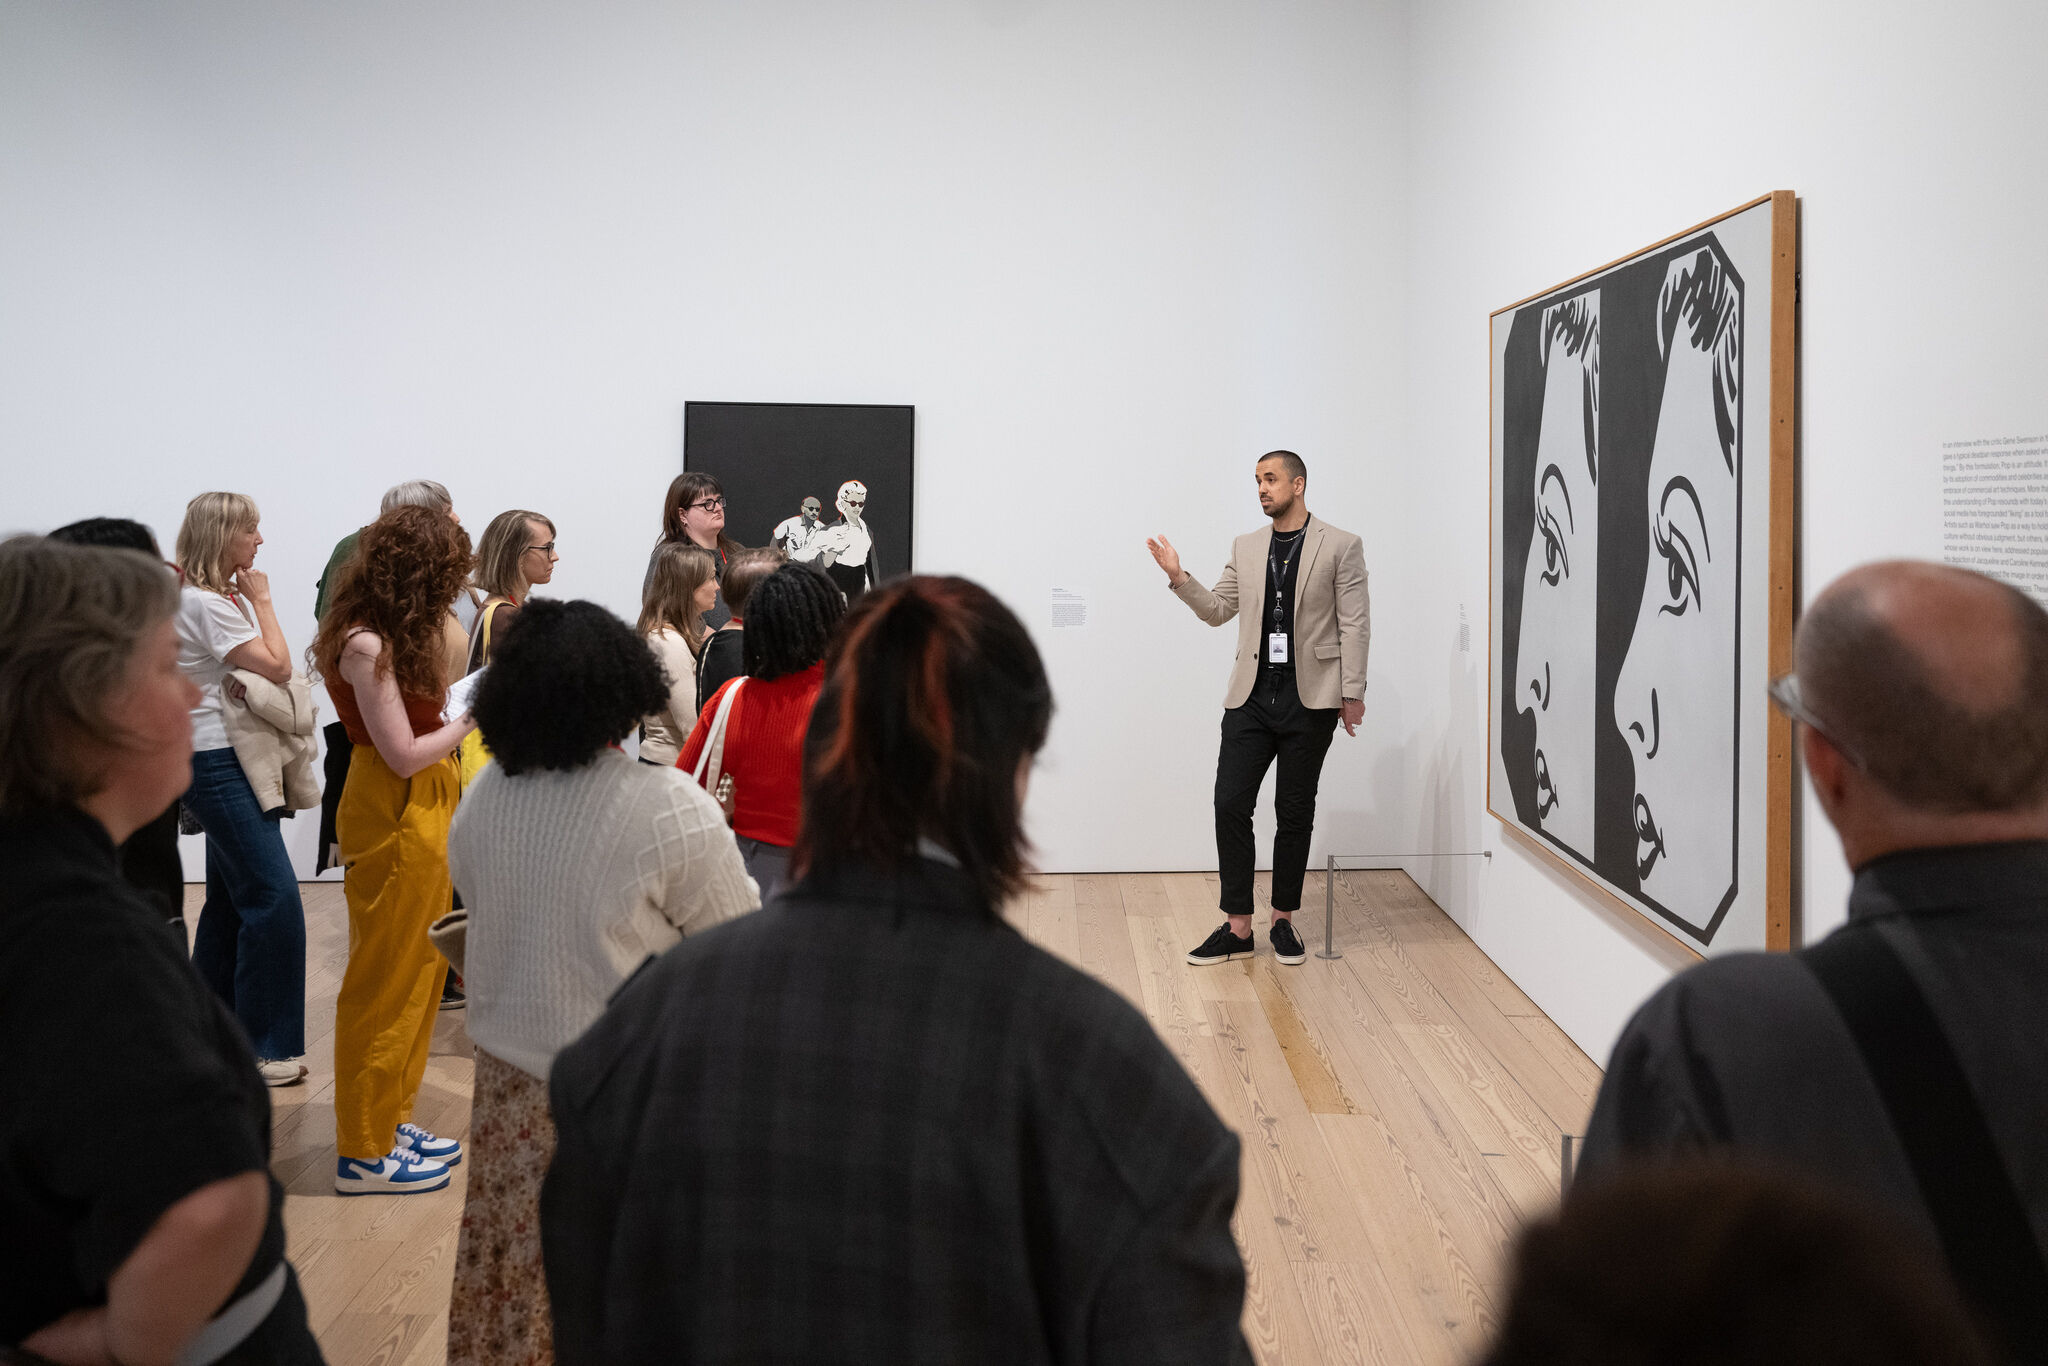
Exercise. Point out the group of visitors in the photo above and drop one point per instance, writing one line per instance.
(761, 1073)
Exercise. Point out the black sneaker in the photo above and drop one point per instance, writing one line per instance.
(1221, 947)
(452, 996)
(1286, 943)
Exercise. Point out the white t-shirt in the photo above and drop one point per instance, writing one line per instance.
(209, 626)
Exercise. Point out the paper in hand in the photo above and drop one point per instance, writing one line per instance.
(459, 694)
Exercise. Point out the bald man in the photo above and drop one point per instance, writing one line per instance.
(1905, 1056)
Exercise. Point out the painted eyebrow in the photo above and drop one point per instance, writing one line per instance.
(1550, 472)
(1680, 484)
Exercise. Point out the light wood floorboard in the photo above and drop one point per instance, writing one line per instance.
(1400, 1112)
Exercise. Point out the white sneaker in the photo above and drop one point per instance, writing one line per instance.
(446, 1151)
(399, 1172)
(281, 1071)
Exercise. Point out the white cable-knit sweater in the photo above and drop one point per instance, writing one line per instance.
(572, 880)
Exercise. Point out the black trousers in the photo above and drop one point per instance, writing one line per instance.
(1272, 724)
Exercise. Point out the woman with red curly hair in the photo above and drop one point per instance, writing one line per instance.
(379, 650)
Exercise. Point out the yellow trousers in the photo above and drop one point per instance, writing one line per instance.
(393, 834)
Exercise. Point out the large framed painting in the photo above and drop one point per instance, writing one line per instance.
(1643, 512)
(830, 483)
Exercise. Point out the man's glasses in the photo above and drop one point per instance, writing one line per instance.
(707, 504)
(1786, 696)
(549, 548)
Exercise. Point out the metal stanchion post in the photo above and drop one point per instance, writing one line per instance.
(1329, 949)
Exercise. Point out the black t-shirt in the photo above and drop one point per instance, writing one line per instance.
(1283, 567)
(722, 660)
(126, 1085)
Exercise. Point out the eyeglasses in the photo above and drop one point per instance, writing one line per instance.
(1786, 696)
(708, 504)
(549, 548)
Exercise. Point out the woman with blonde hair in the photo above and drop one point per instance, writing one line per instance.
(379, 649)
(516, 553)
(251, 943)
(683, 589)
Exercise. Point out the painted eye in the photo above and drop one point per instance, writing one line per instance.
(1556, 563)
(1681, 579)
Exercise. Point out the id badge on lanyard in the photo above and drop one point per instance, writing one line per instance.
(1276, 647)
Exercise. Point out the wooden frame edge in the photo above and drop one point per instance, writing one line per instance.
(1761, 199)
(1784, 589)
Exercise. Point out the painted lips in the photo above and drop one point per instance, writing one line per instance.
(1649, 839)
(1546, 794)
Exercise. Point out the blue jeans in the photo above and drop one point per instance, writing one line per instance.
(251, 943)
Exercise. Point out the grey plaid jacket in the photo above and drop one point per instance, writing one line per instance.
(869, 1123)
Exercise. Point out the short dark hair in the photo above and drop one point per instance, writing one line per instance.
(114, 533)
(1928, 750)
(570, 679)
(934, 696)
(790, 619)
(71, 620)
(743, 574)
(1296, 467)
(1711, 1262)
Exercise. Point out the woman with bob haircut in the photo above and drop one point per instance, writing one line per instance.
(142, 1222)
(683, 589)
(693, 513)
(250, 946)
(516, 553)
(871, 1119)
(577, 866)
(379, 649)
(790, 620)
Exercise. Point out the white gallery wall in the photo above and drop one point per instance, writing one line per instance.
(1111, 251)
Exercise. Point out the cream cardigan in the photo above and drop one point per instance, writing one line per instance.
(272, 729)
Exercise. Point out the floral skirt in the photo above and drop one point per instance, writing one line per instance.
(498, 1313)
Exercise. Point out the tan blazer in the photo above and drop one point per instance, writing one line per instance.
(1332, 613)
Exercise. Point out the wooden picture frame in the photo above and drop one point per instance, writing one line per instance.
(1642, 589)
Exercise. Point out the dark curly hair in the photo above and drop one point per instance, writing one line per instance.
(790, 617)
(934, 696)
(407, 568)
(570, 680)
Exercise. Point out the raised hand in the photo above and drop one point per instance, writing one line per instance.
(253, 584)
(1167, 558)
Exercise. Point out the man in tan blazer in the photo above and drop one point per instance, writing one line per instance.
(1298, 591)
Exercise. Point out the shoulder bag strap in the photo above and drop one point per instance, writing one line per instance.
(711, 760)
(1983, 1225)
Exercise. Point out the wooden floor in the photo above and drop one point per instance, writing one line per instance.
(1400, 1111)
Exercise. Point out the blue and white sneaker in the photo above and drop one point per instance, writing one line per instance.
(399, 1172)
(446, 1151)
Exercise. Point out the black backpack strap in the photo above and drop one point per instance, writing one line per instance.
(1984, 1229)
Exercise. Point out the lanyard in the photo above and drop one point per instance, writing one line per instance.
(1279, 567)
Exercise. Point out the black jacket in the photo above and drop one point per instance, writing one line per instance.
(869, 1123)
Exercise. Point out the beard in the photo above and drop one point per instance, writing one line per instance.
(1280, 507)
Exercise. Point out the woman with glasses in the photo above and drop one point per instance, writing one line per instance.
(693, 513)
(516, 554)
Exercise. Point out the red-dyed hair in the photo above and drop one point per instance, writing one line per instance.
(934, 696)
(407, 568)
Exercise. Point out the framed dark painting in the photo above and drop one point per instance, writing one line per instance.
(1642, 540)
(830, 483)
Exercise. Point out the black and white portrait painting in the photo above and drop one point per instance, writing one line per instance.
(1631, 617)
(829, 484)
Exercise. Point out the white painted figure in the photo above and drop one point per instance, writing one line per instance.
(794, 533)
(845, 549)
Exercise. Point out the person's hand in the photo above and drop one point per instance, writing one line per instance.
(253, 584)
(1167, 558)
(1354, 712)
(234, 688)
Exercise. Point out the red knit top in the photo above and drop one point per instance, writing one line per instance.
(764, 751)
